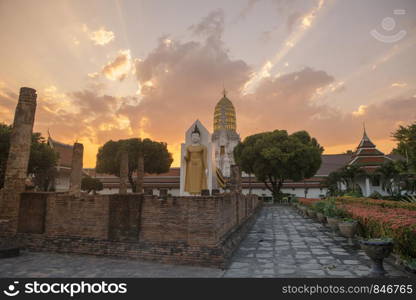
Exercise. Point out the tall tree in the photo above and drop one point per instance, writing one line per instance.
(5, 131)
(244, 156)
(406, 144)
(332, 182)
(390, 177)
(349, 175)
(42, 163)
(156, 157)
(276, 156)
(406, 147)
(42, 159)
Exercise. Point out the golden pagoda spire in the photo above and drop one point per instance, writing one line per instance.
(224, 115)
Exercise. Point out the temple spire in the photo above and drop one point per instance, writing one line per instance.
(365, 141)
(365, 136)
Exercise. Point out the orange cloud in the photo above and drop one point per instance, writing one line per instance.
(100, 37)
(119, 68)
(169, 102)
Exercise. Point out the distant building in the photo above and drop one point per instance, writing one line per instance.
(63, 165)
(369, 158)
(225, 138)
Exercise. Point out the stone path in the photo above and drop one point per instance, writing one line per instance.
(35, 264)
(280, 244)
(284, 244)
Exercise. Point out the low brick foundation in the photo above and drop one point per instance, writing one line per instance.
(182, 230)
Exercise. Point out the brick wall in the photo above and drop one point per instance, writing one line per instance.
(68, 215)
(186, 230)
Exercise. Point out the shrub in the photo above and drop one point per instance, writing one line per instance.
(332, 210)
(375, 195)
(319, 206)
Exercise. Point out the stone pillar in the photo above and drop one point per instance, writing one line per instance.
(124, 171)
(367, 187)
(235, 179)
(18, 159)
(76, 170)
(140, 174)
(20, 141)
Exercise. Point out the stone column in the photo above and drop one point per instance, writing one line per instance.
(20, 140)
(367, 187)
(18, 159)
(76, 170)
(235, 179)
(124, 171)
(140, 174)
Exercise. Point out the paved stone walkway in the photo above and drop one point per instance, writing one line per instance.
(42, 265)
(284, 244)
(281, 244)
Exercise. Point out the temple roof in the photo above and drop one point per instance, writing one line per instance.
(64, 151)
(366, 142)
(367, 156)
(332, 162)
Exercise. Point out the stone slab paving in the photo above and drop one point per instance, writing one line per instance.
(284, 244)
(280, 244)
(53, 265)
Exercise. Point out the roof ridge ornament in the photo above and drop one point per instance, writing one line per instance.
(365, 136)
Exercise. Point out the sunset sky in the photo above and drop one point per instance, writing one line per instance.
(119, 69)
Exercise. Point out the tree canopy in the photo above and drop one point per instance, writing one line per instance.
(89, 184)
(42, 160)
(156, 157)
(276, 156)
(406, 144)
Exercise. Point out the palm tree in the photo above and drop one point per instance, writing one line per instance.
(349, 175)
(389, 177)
(407, 177)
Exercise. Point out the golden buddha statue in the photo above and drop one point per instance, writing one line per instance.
(196, 165)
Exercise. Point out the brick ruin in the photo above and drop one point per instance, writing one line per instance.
(185, 230)
(18, 159)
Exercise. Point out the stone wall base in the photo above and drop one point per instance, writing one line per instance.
(217, 256)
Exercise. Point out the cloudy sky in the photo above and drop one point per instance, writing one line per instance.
(118, 69)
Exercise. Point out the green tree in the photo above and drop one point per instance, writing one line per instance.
(349, 175)
(244, 157)
(389, 177)
(276, 156)
(42, 160)
(407, 177)
(5, 131)
(406, 147)
(332, 182)
(156, 157)
(89, 184)
(406, 144)
(42, 163)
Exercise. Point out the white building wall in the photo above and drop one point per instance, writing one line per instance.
(62, 184)
(298, 192)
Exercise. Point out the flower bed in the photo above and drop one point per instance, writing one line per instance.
(308, 201)
(380, 218)
(397, 223)
(376, 202)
